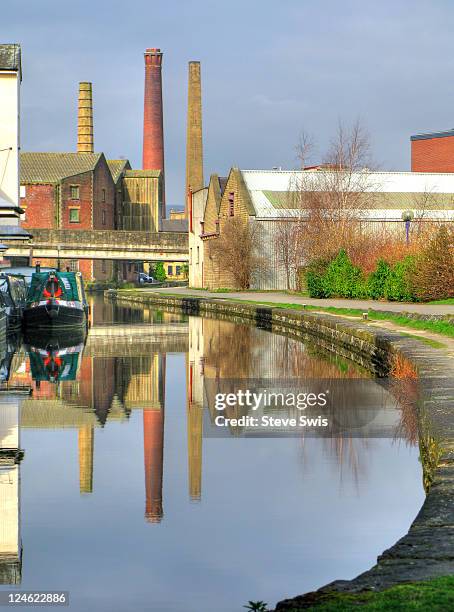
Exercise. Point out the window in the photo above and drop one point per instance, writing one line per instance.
(198, 255)
(75, 192)
(170, 270)
(103, 195)
(74, 215)
(177, 270)
(231, 204)
(103, 214)
(74, 265)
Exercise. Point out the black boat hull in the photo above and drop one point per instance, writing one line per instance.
(55, 316)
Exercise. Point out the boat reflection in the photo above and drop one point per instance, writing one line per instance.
(55, 356)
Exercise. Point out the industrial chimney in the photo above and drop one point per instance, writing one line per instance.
(194, 148)
(85, 140)
(153, 129)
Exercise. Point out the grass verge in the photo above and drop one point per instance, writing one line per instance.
(444, 328)
(436, 595)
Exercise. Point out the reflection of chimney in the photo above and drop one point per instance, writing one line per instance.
(194, 147)
(85, 140)
(86, 445)
(153, 446)
(153, 128)
(195, 421)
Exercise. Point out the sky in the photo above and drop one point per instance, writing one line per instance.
(270, 70)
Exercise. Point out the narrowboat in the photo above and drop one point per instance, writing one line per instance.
(13, 296)
(56, 300)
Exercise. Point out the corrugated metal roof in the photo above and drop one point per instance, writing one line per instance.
(52, 167)
(117, 166)
(10, 57)
(270, 190)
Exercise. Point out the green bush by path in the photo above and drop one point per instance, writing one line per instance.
(399, 284)
(315, 275)
(377, 280)
(341, 278)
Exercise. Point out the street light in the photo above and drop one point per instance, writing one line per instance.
(408, 217)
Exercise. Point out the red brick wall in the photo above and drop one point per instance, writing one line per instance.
(433, 155)
(85, 265)
(84, 203)
(40, 206)
(102, 180)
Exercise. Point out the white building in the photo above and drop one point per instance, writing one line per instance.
(196, 212)
(10, 539)
(10, 80)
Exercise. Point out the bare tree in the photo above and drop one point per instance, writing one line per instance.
(335, 196)
(236, 251)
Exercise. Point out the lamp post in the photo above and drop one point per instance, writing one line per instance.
(408, 217)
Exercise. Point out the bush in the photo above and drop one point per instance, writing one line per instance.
(159, 272)
(399, 283)
(343, 279)
(315, 273)
(434, 274)
(377, 280)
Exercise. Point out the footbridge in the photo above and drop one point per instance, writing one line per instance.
(103, 244)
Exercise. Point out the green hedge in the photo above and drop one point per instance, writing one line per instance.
(340, 278)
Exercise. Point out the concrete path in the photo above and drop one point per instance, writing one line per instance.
(287, 298)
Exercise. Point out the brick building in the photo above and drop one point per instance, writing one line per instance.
(71, 191)
(433, 152)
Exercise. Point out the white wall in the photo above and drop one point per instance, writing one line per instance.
(196, 244)
(9, 136)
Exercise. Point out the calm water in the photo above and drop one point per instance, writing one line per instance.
(120, 500)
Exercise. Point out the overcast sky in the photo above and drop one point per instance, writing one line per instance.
(269, 70)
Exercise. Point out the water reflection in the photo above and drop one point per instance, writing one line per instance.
(86, 384)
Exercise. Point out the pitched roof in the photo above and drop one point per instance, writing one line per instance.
(270, 190)
(52, 167)
(10, 57)
(174, 225)
(117, 166)
(143, 173)
(222, 183)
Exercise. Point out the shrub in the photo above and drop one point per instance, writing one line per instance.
(399, 283)
(343, 279)
(159, 272)
(377, 280)
(434, 275)
(315, 273)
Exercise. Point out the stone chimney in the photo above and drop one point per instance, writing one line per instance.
(153, 124)
(85, 140)
(194, 147)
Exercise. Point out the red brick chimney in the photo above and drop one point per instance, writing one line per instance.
(153, 130)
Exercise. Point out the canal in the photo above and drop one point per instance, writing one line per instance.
(121, 500)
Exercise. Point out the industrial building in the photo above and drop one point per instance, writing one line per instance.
(267, 199)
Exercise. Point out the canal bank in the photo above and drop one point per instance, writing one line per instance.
(427, 551)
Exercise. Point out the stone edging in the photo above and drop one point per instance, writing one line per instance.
(427, 550)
